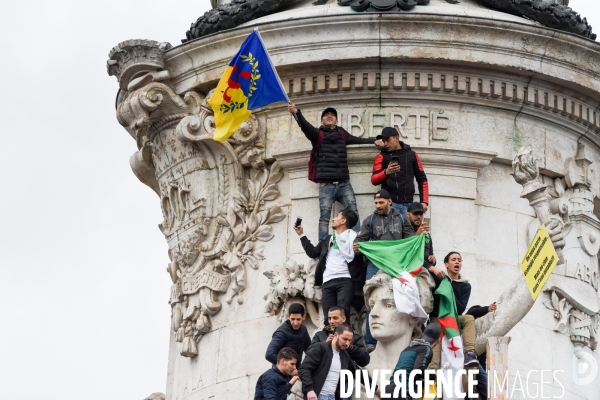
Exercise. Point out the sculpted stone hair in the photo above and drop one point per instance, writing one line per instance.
(296, 308)
(447, 258)
(383, 280)
(337, 308)
(287, 353)
(351, 217)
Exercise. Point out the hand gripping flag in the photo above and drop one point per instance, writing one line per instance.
(249, 82)
(402, 259)
(452, 346)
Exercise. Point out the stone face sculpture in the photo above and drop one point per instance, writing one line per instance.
(549, 13)
(393, 330)
(215, 197)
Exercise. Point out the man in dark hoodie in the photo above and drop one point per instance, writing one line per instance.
(416, 356)
(331, 158)
(396, 168)
(275, 384)
(415, 216)
(292, 333)
(386, 223)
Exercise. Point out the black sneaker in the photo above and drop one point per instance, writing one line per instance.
(471, 359)
(370, 348)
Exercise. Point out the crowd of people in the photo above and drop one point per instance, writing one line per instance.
(342, 270)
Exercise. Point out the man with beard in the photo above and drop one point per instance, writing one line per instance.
(386, 223)
(415, 216)
(320, 370)
(356, 348)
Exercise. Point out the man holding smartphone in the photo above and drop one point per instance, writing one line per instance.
(415, 216)
(396, 168)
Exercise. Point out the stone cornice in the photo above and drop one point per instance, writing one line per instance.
(500, 45)
(434, 157)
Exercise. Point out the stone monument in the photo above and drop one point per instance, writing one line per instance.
(500, 99)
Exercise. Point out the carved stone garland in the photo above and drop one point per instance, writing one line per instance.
(215, 196)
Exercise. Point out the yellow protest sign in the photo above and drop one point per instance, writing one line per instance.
(539, 262)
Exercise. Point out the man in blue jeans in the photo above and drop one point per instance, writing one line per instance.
(329, 143)
(386, 223)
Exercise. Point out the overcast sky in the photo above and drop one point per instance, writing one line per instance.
(83, 286)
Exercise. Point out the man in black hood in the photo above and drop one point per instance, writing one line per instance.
(330, 163)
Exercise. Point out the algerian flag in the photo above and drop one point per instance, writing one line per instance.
(402, 259)
(452, 345)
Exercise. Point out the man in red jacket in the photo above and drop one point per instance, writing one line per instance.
(396, 168)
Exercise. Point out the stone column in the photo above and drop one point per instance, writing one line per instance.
(217, 202)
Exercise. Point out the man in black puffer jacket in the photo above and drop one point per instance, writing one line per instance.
(329, 145)
(276, 383)
(292, 333)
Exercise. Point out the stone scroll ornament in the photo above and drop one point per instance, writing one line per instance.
(227, 16)
(216, 197)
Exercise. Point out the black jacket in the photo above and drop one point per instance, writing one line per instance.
(401, 185)
(316, 364)
(331, 157)
(358, 354)
(462, 292)
(392, 226)
(286, 336)
(356, 267)
(272, 385)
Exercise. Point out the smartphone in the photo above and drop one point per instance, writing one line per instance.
(396, 160)
(298, 222)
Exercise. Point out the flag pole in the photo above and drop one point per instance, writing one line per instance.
(276, 74)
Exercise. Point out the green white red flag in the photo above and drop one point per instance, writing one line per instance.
(403, 260)
(452, 345)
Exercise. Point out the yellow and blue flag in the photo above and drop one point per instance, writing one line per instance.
(249, 82)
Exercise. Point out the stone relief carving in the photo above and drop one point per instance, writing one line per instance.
(293, 283)
(215, 196)
(550, 13)
(573, 286)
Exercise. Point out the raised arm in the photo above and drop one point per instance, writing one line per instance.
(309, 131)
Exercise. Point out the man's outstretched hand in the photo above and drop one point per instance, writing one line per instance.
(356, 248)
(292, 108)
(299, 230)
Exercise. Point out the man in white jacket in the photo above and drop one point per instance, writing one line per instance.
(337, 268)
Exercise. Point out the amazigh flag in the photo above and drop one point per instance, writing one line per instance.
(249, 82)
(452, 345)
(402, 259)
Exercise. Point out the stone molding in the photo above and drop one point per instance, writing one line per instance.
(450, 86)
(490, 44)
